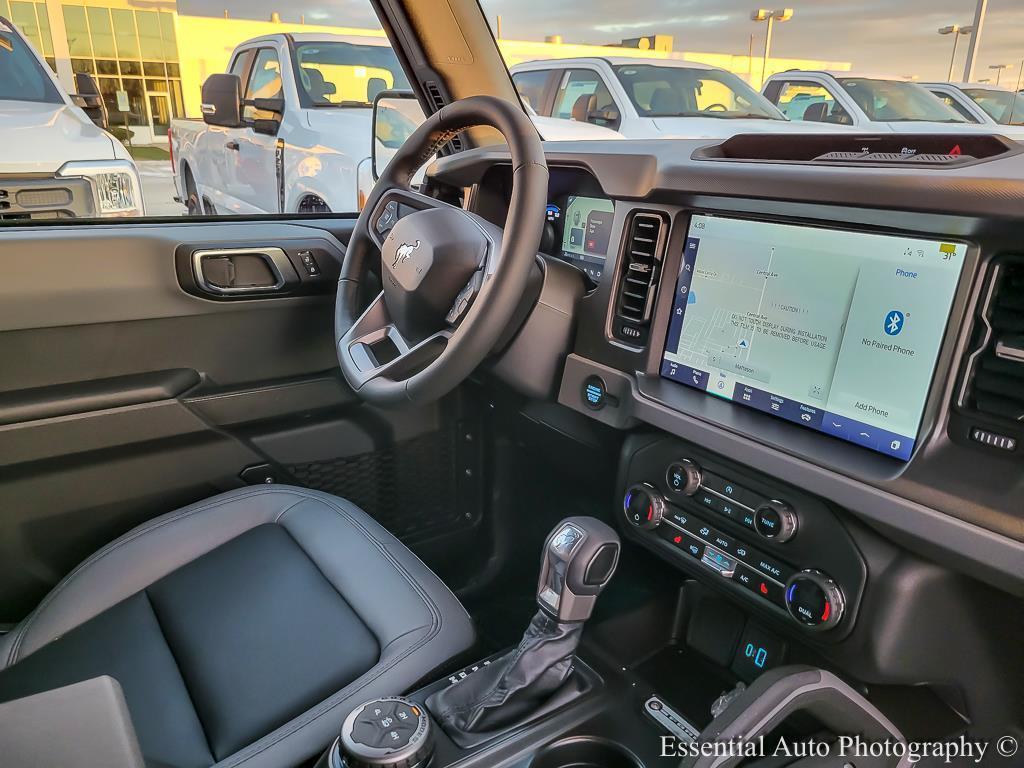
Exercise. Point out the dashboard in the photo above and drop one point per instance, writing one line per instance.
(821, 336)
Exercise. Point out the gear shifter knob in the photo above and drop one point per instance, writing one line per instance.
(579, 559)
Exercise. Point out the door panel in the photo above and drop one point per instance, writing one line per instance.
(127, 393)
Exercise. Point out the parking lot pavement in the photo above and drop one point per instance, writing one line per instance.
(158, 188)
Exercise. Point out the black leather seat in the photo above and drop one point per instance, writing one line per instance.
(242, 629)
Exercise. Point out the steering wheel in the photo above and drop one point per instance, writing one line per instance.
(451, 280)
(716, 108)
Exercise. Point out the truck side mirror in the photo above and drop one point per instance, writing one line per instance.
(608, 117)
(88, 97)
(396, 114)
(222, 101)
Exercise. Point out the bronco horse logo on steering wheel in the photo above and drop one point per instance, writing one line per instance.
(403, 253)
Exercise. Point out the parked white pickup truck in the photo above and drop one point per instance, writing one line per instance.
(54, 162)
(872, 104)
(650, 98)
(301, 142)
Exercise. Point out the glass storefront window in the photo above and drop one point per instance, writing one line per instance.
(106, 66)
(154, 69)
(156, 85)
(173, 70)
(124, 33)
(44, 29)
(78, 30)
(24, 17)
(149, 34)
(102, 33)
(169, 38)
(136, 101)
(83, 65)
(133, 68)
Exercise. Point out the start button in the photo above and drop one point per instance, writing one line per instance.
(595, 394)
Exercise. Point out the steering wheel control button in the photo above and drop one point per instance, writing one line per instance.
(387, 218)
(683, 477)
(644, 506)
(775, 521)
(392, 732)
(814, 600)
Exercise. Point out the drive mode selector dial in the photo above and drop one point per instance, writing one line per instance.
(391, 732)
(644, 506)
(775, 521)
(814, 600)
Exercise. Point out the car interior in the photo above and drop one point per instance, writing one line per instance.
(468, 478)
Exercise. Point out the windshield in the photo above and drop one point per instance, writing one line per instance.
(666, 91)
(22, 78)
(1002, 106)
(896, 101)
(339, 74)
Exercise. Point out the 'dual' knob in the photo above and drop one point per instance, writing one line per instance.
(775, 521)
(391, 732)
(644, 506)
(814, 600)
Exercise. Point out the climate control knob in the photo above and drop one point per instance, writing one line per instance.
(814, 600)
(683, 477)
(775, 521)
(644, 506)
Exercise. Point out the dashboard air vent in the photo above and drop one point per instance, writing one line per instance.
(437, 100)
(997, 388)
(638, 277)
(993, 394)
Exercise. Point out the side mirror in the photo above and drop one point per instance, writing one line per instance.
(396, 114)
(222, 101)
(89, 98)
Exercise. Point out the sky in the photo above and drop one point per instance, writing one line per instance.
(894, 37)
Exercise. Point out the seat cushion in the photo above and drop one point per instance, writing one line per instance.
(244, 628)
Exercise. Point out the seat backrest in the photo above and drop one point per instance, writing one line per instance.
(317, 88)
(665, 101)
(816, 112)
(583, 106)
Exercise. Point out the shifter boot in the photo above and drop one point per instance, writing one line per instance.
(514, 686)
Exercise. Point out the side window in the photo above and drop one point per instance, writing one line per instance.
(531, 87)
(581, 94)
(949, 101)
(239, 64)
(264, 83)
(809, 101)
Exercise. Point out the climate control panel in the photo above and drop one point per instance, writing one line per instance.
(785, 550)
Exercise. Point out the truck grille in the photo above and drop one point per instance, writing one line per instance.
(25, 199)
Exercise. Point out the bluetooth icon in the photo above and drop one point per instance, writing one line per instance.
(894, 323)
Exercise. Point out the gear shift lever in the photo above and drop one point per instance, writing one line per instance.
(579, 559)
(580, 556)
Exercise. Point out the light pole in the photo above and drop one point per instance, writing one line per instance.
(763, 14)
(976, 29)
(999, 69)
(955, 30)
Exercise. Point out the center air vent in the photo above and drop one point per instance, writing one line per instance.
(638, 277)
(995, 382)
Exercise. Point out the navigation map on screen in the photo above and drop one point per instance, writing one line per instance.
(837, 331)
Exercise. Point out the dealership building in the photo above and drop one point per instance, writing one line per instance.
(160, 58)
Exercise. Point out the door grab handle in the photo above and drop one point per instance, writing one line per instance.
(276, 260)
(233, 144)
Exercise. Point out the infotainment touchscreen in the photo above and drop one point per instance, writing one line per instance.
(836, 331)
